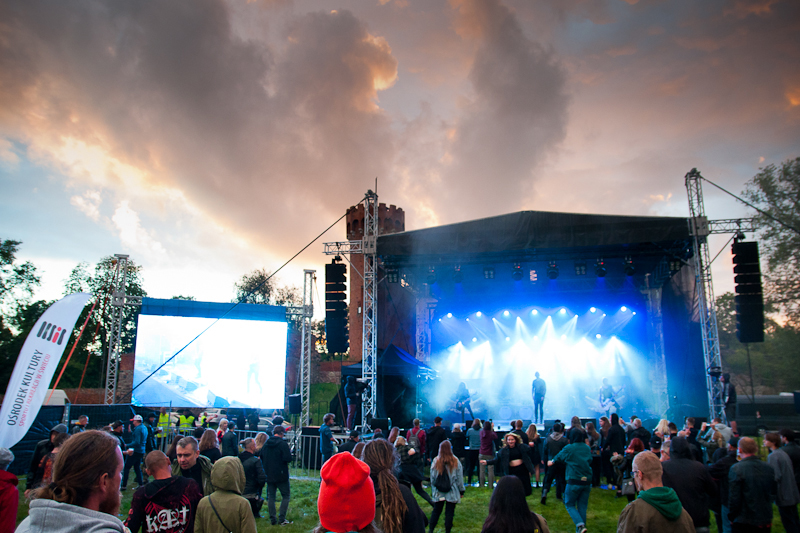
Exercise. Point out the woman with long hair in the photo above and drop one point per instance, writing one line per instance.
(514, 460)
(396, 510)
(223, 428)
(172, 451)
(393, 434)
(209, 446)
(261, 439)
(595, 441)
(411, 468)
(486, 453)
(624, 465)
(509, 511)
(535, 450)
(446, 464)
(662, 429)
(358, 450)
(474, 443)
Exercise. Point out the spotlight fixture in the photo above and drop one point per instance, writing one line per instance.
(552, 270)
(488, 272)
(623, 309)
(592, 309)
(516, 272)
(630, 270)
(474, 339)
(506, 313)
(392, 275)
(478, 314)
(534, 312)
(580, 268)
(431, 279)
(563, 311)
(674, 265)
(600, 268)
(508, 339)
(449, 315)
(598, 336)
(458, 276)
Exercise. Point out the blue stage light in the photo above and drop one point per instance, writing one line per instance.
(508, 338)
(506, 313)
(598, 336)
(633, 313)
(623, 309)
(604, 314)
(563, 311)
(478, 314)
(449, 315)
(534, 312)
(474, 339)
(592, 309)
(467, 319)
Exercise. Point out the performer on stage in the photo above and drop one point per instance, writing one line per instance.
(461, 397)
(607, 399)
(352, 392)
(539, 390)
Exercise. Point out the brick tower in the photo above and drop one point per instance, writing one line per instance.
(391, 219)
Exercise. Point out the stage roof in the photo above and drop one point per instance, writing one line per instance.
(527, 235)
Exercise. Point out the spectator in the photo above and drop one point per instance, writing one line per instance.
(578, 460)
(276, 456)
(358, 450)
(254, 476)
(486, 453)
(225, 510)
(690, 480)
(352, 392)
(729, 397)
(172, 451)
(150, 426)
(787, 496)
(514, 460)
(209, 446)
(326, 440)
(186, 421)
(519, 432)
(614, 442)
(197, 433)
(624, 465)
(752, 490)
(641, 433)
(43, 447)
(84, 494)
(420, 438)
(117, 428)
(135, 453)
(446, 465)
(474, 443)
(80, 426)
(165, 504)
(575, 428)
(553, 445)
(673, 430)
(509, 511)
(710, 445)
(657, 509)
(393, 434)
(378, 434)
(535, 450)
(436, 434)
(230, 443)
(163, 426)
(396, 510)
(459, 442)
(411, 468)
(189, 463)
(253, 420)
(348, 446)
(222, 429)
(9, 494)
(724, 430)
(44, 474)
(793, 451)
(346, 497)
(719, 473)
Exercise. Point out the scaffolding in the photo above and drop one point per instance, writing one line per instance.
(119, 300)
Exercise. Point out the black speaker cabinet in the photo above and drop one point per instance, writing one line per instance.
(295, 404)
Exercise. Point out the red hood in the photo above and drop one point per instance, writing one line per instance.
(8, 477)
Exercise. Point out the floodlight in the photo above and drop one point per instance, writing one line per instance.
(552, 270)
(506, 313)
(580, 268)
(592, 309)
(516, 272)
(488, 272)
(600, 268)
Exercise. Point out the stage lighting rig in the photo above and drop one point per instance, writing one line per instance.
(392, 274)
(630, 269)
(431, 278)
(580, 268)
(600, 268)
(488, 272)
(458, 276)
(516, 272)
(552, 270)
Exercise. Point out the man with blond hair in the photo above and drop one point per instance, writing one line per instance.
(657, 509)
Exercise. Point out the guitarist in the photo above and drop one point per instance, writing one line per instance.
(607, 395)
(461, 397)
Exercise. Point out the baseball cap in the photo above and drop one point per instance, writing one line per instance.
(116, 423)
(137, 418)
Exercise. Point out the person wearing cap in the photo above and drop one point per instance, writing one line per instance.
(135, 452)
(117, 428)
(351, 442)
(276, 456)
(346, 497)
(43, 447)
(719, 473)
(9, 494)
(150, 426)
(80, 427)
(225, 511)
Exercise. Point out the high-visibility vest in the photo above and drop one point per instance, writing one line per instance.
(186, 422)
(163, 421)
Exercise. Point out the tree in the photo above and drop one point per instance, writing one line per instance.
(258, 288)
(17, 281)
(776, 191)
(180, 297)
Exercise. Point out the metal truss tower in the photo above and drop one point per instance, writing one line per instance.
(305, 352)
(119, 300)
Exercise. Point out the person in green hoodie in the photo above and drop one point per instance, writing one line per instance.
(657, 509)
(578, 459)
(225, 511)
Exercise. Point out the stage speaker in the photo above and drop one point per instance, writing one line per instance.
(382, 423)
(336, 330)
(295, 404)
(548, 424)
(749, 299)
(592, 420)
(698, 421)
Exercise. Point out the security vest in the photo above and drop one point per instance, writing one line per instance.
(186, 422)
(163, 421)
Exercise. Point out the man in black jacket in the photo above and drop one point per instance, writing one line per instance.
(690, 480)
(719, 473)
(254, 476)
(43, 447)
(352, 393)
(793, 451)
(350, 445)
(436, 435)
(752, 487)
(641, 433)
(555, 442)
(276, 456)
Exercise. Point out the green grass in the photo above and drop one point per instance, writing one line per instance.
(604, 510)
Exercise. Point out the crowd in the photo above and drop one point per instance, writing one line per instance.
(674, 479)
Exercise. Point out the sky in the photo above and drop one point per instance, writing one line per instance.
(207, 139)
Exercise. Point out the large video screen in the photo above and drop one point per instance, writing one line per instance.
(235, 363)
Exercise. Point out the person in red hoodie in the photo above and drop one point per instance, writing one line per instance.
(420, 435)
(168, 503)
(9, 494)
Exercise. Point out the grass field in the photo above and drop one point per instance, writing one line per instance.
(603, 512)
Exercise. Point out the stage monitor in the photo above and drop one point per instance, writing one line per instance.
(239, 361)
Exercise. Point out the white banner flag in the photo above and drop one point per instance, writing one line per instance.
(36, 365)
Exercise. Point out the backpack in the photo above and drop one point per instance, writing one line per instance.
(413, 441)
(443, 482)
